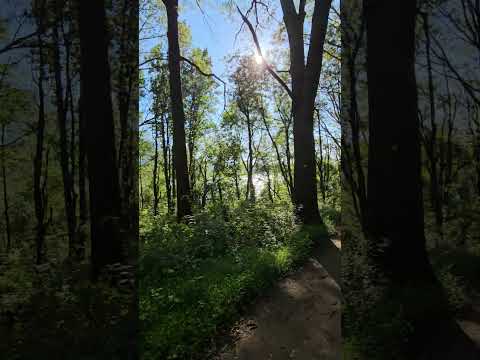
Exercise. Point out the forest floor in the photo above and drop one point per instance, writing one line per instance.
(470, 321)
(299, 318)
(465, 267)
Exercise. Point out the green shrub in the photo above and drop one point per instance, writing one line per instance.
(373, 323)
(195, 277)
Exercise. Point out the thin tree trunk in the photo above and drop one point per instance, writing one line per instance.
(321, 162)
(62, 110)
(38, 193)
(283, 169)
(5, 193)
(82, 183)
(173, 179)
(250, 195)
(432, 140)
(288, 155)
(205, 186)
(166, 161)
(155, 171)
(237, 185)
(142, 199)
(269, 183)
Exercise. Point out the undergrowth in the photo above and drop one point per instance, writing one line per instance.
(195, 277)
(373, 325)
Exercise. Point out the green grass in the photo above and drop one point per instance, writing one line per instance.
(183, 308)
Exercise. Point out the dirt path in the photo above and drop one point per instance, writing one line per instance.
(470, 323)
(299, 318)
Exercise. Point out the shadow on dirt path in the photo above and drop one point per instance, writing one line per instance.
(299, 318)
(470, 322)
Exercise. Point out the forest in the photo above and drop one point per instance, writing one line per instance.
(410, 172)
(69, 213)
(224, 211)
(220, 179)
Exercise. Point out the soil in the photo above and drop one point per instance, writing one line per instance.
(470, 322)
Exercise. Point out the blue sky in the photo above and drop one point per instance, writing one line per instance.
(214, 29)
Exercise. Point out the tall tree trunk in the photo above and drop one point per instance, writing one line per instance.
(284, 170)
(351, 155)
(474, 128)
(237, 184)
(250, 194)
(432, 139)
(205, 186)
(79, 242)
(155, 171)
(5, 192)
(288, 155)
(269, 182)
(321, 162)
(106, 244)
(38, 190)
(305, 79)
(184, 205)
(82, 182)
(220, 191)
(395, 203)
(192, 143)
(173, 178)
(62, 110)
(127, 79)
(140, 182)
(166, 160)
(354, 118)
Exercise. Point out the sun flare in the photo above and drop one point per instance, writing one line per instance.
(258, 59)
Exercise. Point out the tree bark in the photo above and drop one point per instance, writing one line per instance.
(155, 184)
(82, 182)
(431, 144)
(284, 170)
(305, 79)
(166, 160)
(104, 190)
(62, 110)
(250, 193)
(184, 206)
(5, 193)
(38, 188)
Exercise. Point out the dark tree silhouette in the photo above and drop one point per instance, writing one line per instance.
(184, 205)
(395, 222)
(100, 138)
(39, 186)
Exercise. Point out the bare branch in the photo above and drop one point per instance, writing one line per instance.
(259, 50)
(17, 43)
(152, 59)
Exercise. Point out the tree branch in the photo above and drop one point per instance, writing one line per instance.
(209, 75)
(17, 43)
(259, 50)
